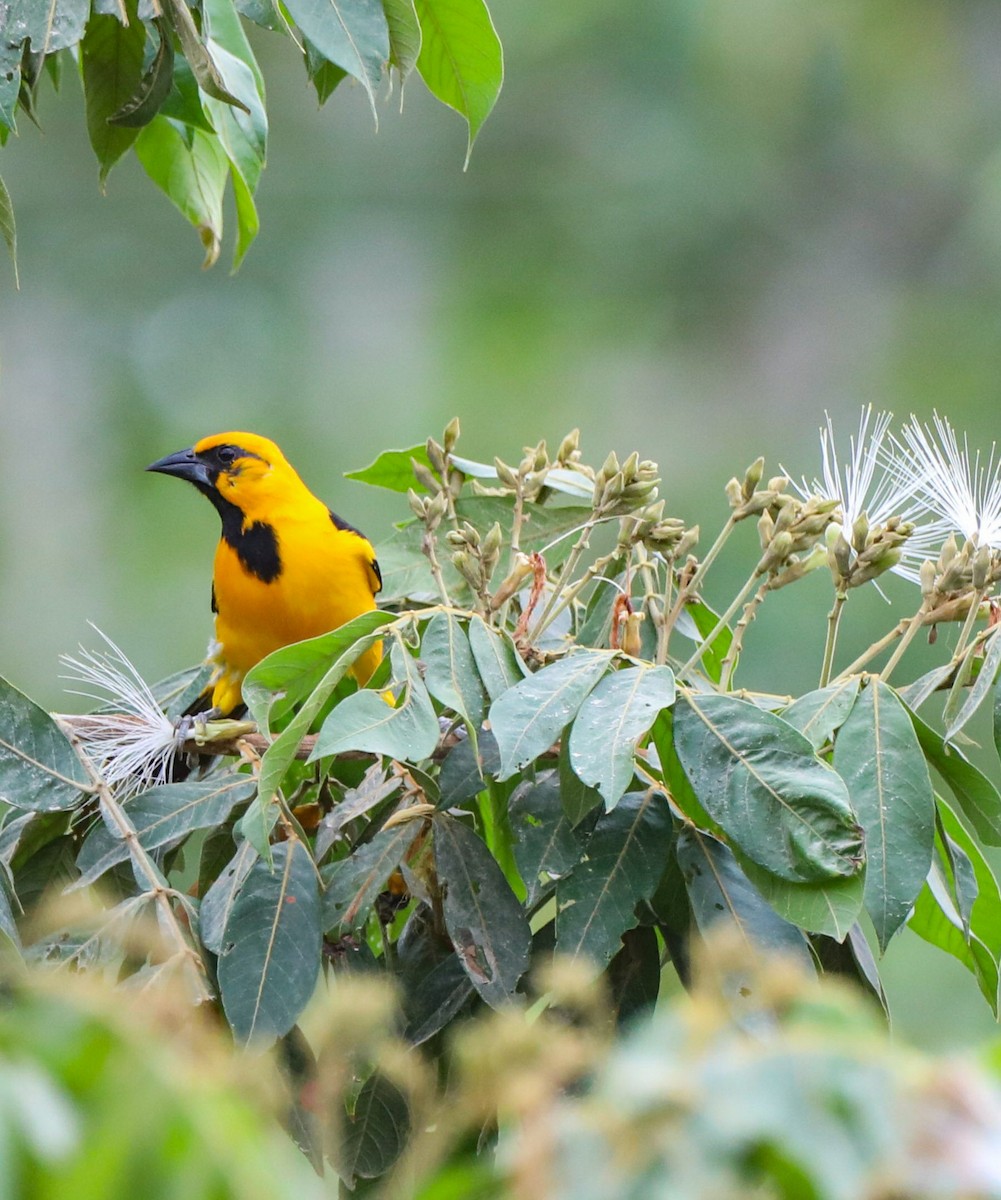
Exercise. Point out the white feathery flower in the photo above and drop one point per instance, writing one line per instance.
(867, 483)
(960, 489)
(134, 744)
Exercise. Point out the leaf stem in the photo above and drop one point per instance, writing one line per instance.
(729, 664)
(685, 593)
(721, 624)
(833, 621)
(909, 632)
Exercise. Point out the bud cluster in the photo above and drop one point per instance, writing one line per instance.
(664, 535)
(623, 489)
(958, 571)
(744, 497)
(475, 557)
(789, 530)
(867, 552)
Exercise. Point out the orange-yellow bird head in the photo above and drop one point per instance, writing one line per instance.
(242, 470)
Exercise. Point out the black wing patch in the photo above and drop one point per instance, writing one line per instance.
(256, 546)
(215, 607)
(340, 523)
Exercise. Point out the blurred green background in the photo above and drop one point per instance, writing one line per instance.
(688, 228)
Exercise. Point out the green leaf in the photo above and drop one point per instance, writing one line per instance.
(622, 863)
(270, 957)
(200, 60)
(191, 168)
(936, 919)
(461, 60)
(352, 885)
(852, 958)
(466, 768)
(112, 56)
(877, 755)
(49, 25)
(407, 731)
(634, 973)
(351, 33)
(184, 103)
(499, 664)
(154, 86)
(977, 796)
(486, 923)
(819, 715)
(984, 916)
(450, 669)
(392, 470)
(433, 993)
(697, 621)
(577, 798)
(213, 913)
(830, 907)
(8, 230)
(324, 75)
(311, 668)
(718, 890)
(545, 846)
(39, 769)
(760, 780)
(291, 671)
(162, 815)
(610, 723)
(221, 23)
(375, 1131)
(977, 692)
(529, 717)
(404, 37)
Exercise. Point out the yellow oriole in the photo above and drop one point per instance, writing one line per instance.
(286, 567)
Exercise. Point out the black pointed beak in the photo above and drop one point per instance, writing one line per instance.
(185, 464)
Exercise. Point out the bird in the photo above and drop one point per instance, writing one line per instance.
(286, 567)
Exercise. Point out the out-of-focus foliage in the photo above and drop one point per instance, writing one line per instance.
(569, 770)
(106, 1093)
(182, 86)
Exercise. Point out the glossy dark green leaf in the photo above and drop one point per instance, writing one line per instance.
(634, 973)
(529, 717)
(578, 800)
(49, 25)
(162, 815)
(375, 787)
(673, 774)
(450, 670)
(112, 56)
(352, 885)
(191, 168)
(466, 769)
(184, 101)
(610, 723)
(213, 912)
(375, 1130)
(878, 756)
(545, 844)
(433, 998)
(498, 662)
(852, 958)
(270, 957)
(8, 923)
(8, 229)
(819, 714)
(404, 36)
(39, 770)
(407, 731)
(461, 59)
(759, 778)
(622, 862)
(978, 797)
(487, 925)
(154, 86)
(830, 907)
(351, 33)
(393, 470)
(719, 891)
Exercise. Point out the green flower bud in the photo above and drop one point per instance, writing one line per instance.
(424, 477)
(752, 477)
(451, 435)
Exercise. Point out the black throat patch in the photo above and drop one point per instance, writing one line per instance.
(256, 546)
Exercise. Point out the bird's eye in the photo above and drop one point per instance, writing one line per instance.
(226, 455)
